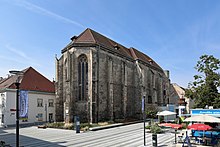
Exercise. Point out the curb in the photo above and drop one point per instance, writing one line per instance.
(113, 126)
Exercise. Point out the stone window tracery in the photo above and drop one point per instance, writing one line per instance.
(82, 78)
(65, 70)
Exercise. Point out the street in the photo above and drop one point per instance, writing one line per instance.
(128, 136)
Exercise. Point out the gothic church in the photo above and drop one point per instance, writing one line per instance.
(99, 79)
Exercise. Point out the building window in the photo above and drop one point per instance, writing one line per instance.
(152, 79)
(3, 102)
(155, 96)
(50, 101)
(50, 117)
(82, 78)
(40, 116)
(3, 118)
(39, 102)
(65, 70)
(150, 100)
(164, 92)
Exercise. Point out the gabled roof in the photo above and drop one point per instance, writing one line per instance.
(30, 80)
(90, 36)
(178, 89)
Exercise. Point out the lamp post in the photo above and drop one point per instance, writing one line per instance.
(17, 84)
(144, 117)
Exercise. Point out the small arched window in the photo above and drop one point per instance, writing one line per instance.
(82, 78)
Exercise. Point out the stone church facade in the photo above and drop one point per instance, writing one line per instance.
(98, 79)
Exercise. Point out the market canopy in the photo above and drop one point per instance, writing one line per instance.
(165, 113)
(175, 126)
(200, 127)
(203, 118)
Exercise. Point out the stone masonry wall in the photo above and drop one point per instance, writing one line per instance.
(116, 86)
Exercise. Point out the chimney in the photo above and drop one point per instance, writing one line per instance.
(74, 38)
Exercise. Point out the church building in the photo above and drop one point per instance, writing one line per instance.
(99, 80)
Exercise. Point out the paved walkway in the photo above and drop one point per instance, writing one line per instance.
(123, 136)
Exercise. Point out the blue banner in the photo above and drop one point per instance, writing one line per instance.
(23, 105)
(143, 104)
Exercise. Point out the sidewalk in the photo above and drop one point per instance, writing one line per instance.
(193, 145)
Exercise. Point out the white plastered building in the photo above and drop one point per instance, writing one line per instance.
(39, 94)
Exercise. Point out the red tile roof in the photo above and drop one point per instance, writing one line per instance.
(31, 80)
(90, 36)
(141, 56)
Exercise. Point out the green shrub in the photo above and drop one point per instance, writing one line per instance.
(184, 125)
(151, 111)
(71, 126)
(55, 125)
(161, 119)
(119, 120)
(148, 127)
(155, 129)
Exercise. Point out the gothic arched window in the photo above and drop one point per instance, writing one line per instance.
(82, 78)
(65, 69)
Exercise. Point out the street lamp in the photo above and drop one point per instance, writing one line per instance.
(144, 116)
(17, 83)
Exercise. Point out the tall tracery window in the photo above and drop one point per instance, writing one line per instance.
(65, 69)
(152, 79)
(83, 78)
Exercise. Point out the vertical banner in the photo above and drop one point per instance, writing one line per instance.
(143, 104)
(23, 105)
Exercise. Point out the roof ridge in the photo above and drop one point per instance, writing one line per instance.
(39, 73)
(91, 32)
(26, 69)
(113, 43)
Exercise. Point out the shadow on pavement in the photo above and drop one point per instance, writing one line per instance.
(9, 139)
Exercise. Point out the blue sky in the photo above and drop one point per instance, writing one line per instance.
(175, 33)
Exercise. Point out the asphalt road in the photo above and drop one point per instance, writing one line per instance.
(124, 136)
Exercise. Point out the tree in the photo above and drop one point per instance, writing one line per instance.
(151, 111)
(204, 90)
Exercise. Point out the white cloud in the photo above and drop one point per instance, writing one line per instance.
(9, 59)
(16, 51)
(25, 59)
(40, 10)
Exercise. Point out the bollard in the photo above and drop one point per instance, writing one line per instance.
(175, 136)
(77, 124)
(154, 140)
